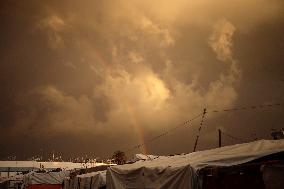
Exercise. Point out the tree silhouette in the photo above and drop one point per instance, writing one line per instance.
(119, 157)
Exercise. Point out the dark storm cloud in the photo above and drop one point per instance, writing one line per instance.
(89, 75)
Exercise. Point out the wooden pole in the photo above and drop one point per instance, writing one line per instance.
(220, 138)
(201, 123)
(195, 145)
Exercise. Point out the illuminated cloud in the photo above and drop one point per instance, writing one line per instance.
(149, 27)
(221, 40)
(53, 26)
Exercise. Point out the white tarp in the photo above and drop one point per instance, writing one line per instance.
(138, 157)
(182, 168)
(93, 180)
(33, 165)
(12, 178)
(155, 177)
(45, 178)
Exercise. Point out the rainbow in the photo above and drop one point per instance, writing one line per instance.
(131, 111)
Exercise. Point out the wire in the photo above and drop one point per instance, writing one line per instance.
(184, 124)
(233, 137)
(201, 123)
(247, 108)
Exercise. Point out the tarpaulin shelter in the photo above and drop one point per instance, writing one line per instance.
(93, 180)
(13, 182)
(51, 180)
(182, 171)
(27, 166)
(89, 170)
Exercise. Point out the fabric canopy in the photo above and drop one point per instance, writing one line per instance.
(93, 180)
(45, 178)
(180, 171)
(138, 157)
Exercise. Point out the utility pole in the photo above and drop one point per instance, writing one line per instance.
(220, 138)
(195, 145)
(201, 123)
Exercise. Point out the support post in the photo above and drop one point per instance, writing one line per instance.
(195, 145)
(220, 138)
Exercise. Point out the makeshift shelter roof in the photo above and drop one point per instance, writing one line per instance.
(92, 174)
(15, 177)
(138, 157)
(93, 180)
(224, 156)
(45, 178)
(180, 171)
(19, 166)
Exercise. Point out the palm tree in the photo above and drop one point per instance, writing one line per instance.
(119, 157)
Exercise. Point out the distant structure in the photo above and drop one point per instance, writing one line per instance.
(277, 135)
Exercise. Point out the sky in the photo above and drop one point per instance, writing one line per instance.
(95, 76)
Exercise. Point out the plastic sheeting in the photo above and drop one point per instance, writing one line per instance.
(162, 177)
(94, 180)
(13, 178)
(34, 165)
(45, 178)
(181, 170)
(138, 157)
(14, 182)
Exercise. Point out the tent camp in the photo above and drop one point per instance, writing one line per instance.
(93, 180)
(51, 180)
(238, 163)
(11, 168)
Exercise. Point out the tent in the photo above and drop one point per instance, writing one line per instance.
(182, 171)
(11, 182)
(93, 180)
(51, 180)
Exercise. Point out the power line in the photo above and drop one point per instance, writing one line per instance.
(202, 120)
(184, 124)
(233, 137)
(247, 108)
